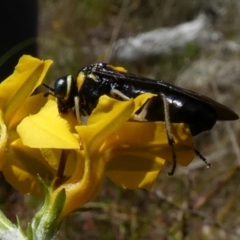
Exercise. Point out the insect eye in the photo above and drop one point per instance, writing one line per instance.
(62, 87)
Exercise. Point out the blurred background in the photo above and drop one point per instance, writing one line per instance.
(193, 44)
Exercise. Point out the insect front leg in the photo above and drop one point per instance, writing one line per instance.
(169, 133)
(77, 111)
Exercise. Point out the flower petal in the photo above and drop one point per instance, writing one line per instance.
(132, 170)
(28, 74)
(23, 166)
(134, 180)
(108, 116)
(47, 129)
(31, 106)
(137, 151)
(53, 156)
(140, 100)
(152, 137)
(84, 183)
(3, 141)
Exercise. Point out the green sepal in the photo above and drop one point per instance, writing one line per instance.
(29, 232)
(45, 222)
(9, 230)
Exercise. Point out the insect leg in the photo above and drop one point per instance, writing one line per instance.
(141, 116)
(115, 92)
(202, 158)
(50, 92)
(77, 111)
(48, 87)
(169, 133)
(137, 117)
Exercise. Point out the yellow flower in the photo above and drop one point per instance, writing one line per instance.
(20, 163)
(37, 140)
(129, 153)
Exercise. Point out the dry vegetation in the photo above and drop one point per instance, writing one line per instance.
(195, 203)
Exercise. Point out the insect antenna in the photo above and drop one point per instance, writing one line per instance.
(51, 92)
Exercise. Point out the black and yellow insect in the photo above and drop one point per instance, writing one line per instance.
(172, 104)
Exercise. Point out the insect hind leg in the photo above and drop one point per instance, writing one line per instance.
(169, 133)
(202, 158)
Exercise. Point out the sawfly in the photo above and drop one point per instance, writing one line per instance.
(171, 104)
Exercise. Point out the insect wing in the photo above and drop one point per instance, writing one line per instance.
(107, 71)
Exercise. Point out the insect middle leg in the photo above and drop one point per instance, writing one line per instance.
(137, 117)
